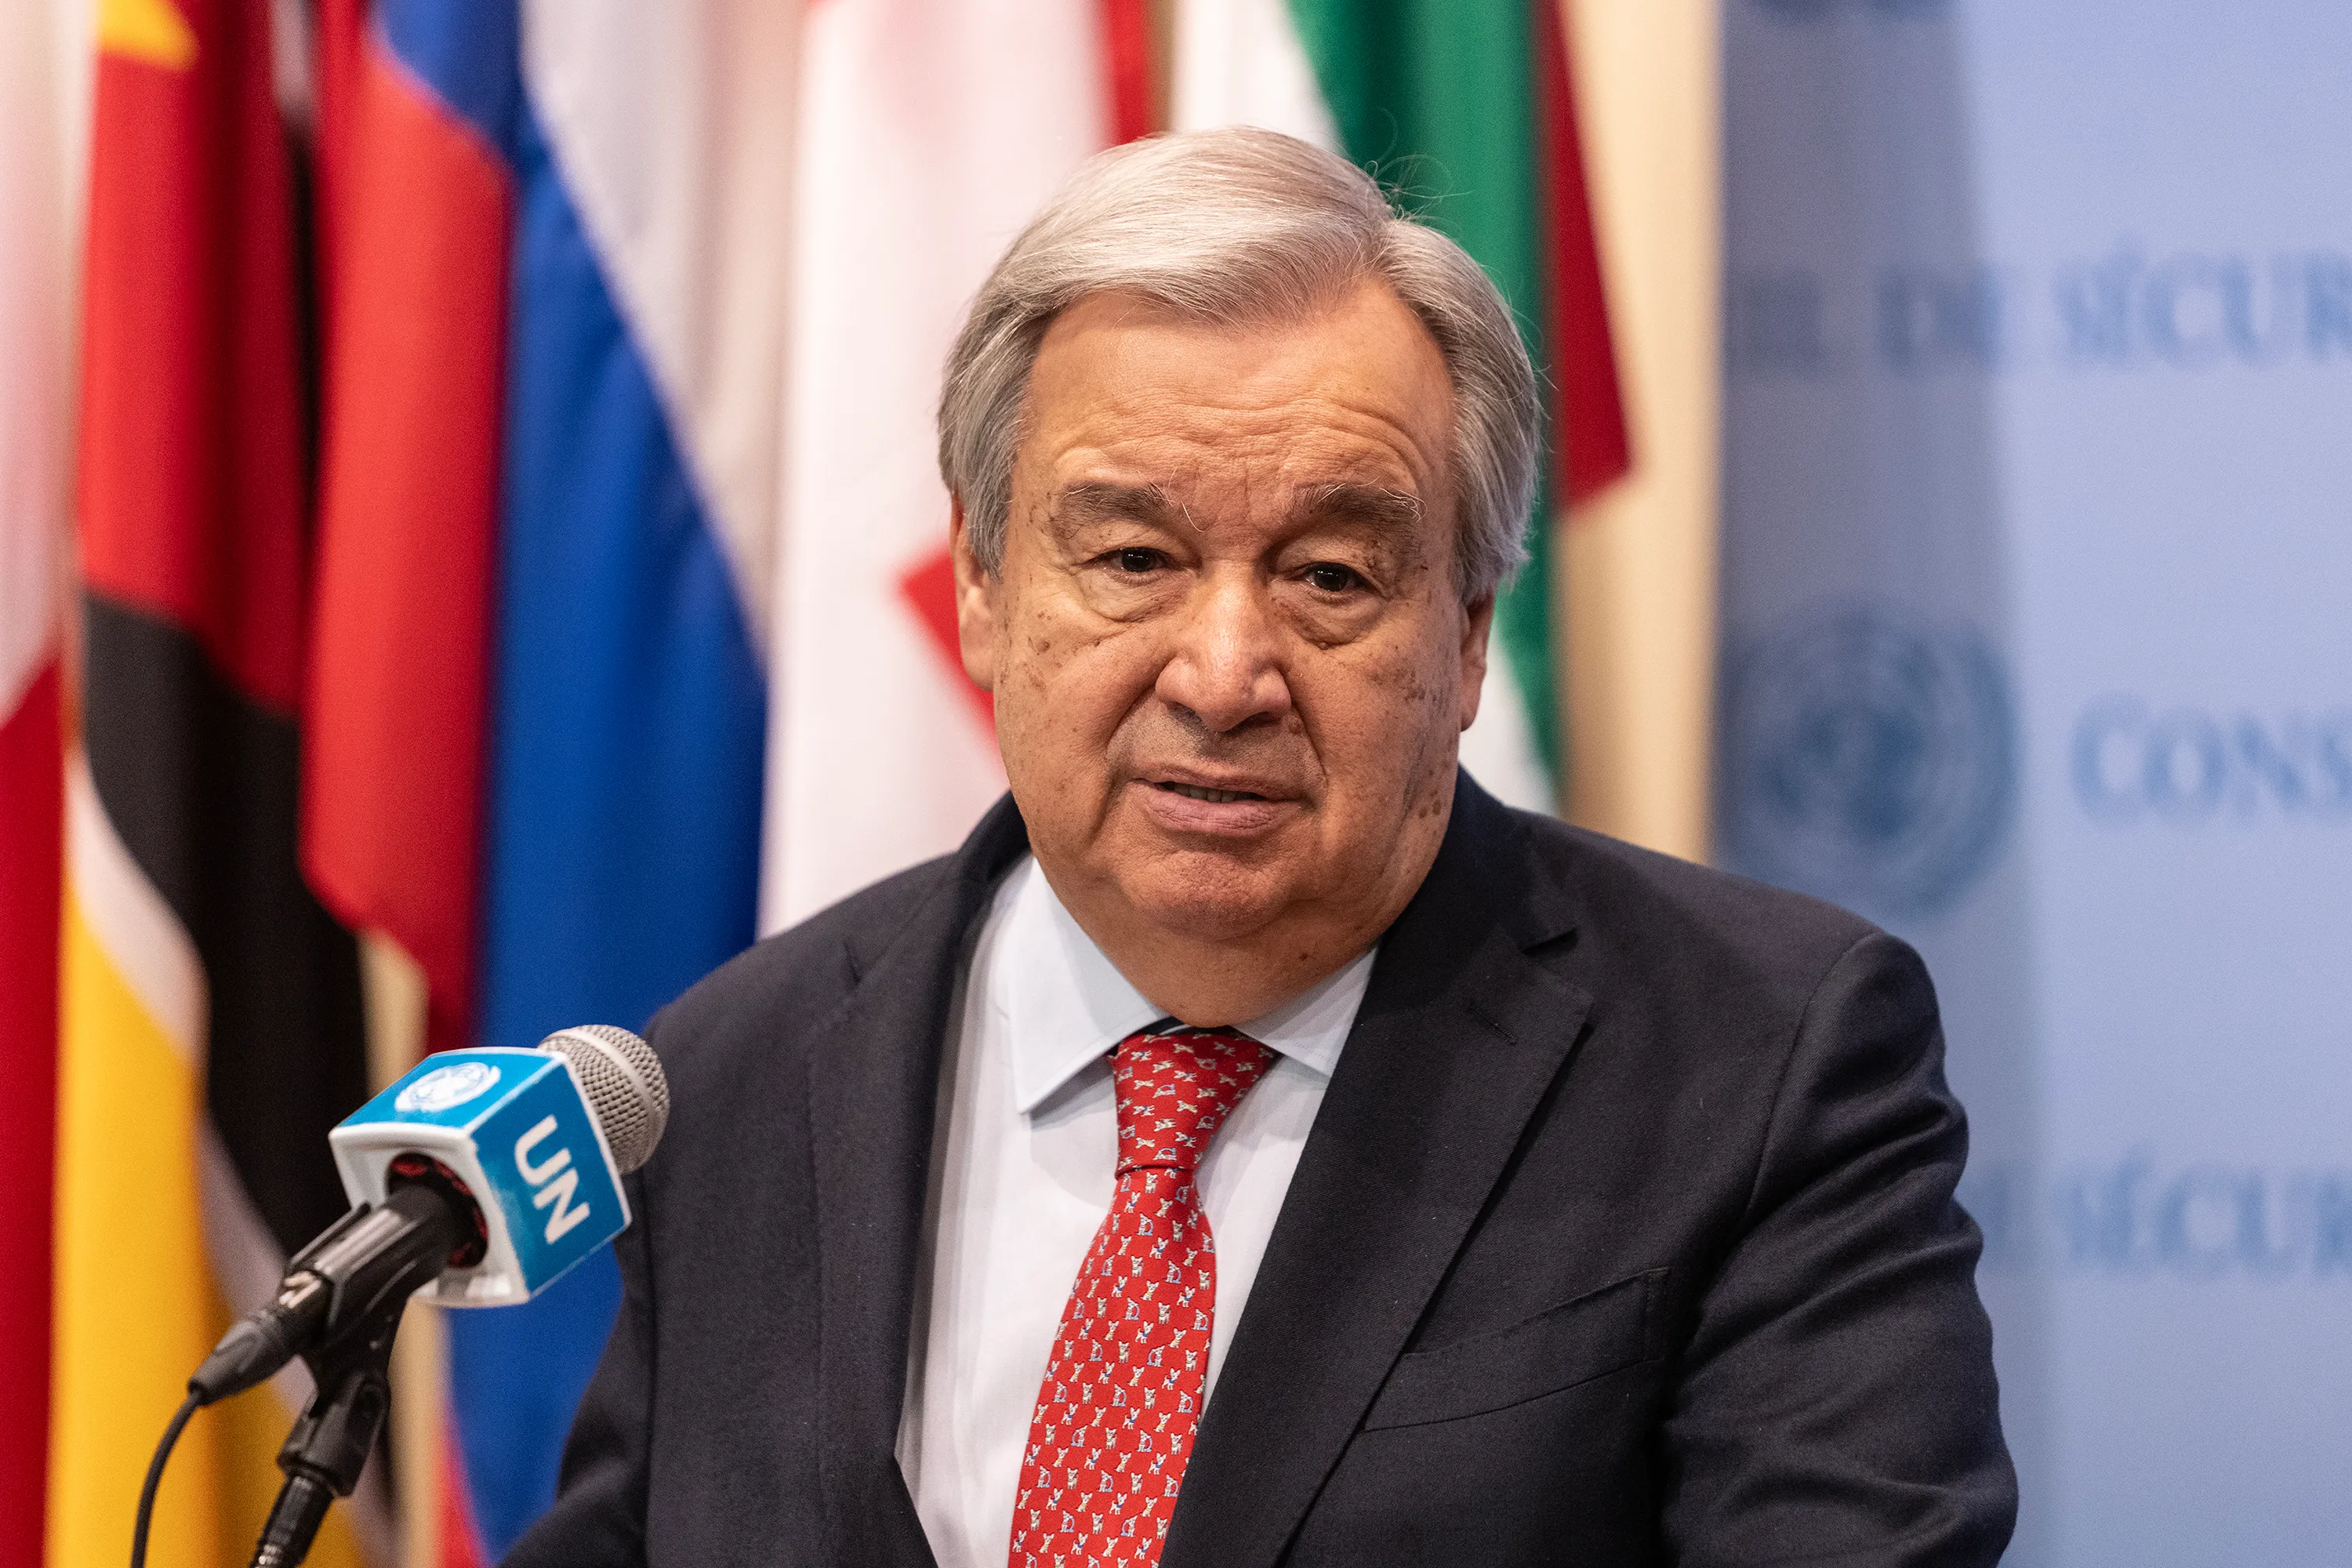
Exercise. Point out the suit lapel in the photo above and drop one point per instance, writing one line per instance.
(1460, 1035)
(873, 1092)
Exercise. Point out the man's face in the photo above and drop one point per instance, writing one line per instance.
(1230, 661)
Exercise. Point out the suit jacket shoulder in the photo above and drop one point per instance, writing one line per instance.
(1645, 915)
(803, 973)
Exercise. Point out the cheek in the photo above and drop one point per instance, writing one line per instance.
(1065, 683)
(1389, 715)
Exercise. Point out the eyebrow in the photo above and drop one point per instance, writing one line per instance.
(1388, 511)
(1095, 500)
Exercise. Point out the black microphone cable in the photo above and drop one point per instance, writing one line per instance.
(171, 1440)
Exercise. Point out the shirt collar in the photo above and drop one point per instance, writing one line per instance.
(1066, 1005)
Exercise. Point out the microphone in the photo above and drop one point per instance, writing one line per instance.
(543, 1135)
(478, 1179)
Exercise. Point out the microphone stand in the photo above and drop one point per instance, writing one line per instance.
(369, 1264)
(332, 1439)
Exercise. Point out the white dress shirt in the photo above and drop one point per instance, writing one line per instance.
(1026, 1174)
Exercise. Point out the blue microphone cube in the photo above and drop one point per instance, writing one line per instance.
(516, 1129)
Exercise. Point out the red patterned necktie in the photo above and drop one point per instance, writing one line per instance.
(1122, 1393)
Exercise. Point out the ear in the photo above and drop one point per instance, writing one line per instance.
(1477, 620)
(974, 603)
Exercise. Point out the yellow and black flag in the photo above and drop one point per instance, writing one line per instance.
(212, 1029)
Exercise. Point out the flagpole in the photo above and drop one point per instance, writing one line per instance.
(1637, 567)
(395, 994)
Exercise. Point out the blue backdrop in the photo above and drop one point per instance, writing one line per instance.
(2038, 650)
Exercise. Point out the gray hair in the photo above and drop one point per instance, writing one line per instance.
(1244, 226)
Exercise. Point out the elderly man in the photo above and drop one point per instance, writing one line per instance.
(1256, 1145)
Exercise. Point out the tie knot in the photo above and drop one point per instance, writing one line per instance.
(1175, 1089)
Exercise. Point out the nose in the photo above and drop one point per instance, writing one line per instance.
(1225, 671)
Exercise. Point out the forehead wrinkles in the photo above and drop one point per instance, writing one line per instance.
(1282, 433)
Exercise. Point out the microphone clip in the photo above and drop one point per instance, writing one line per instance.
(332, 1439)
(339, 1309)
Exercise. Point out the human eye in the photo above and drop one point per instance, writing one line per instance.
(1331, 577)
(1132, 561)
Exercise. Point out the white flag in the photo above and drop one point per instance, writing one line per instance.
(929, 135)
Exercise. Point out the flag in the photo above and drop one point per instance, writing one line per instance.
(554, 289)
(418, 198)
(42, 50)
(929, 135)
(1463, 109)
(210, 1028)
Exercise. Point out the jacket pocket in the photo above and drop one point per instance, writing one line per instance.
(1597, 1333)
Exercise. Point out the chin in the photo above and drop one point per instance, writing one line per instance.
(1207, 897)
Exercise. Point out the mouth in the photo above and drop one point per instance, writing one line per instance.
(1201, 792)
(1183, 804)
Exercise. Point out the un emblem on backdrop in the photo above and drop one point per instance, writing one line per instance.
(1868, 758)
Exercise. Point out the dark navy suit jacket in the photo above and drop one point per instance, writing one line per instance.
(1625, 1234)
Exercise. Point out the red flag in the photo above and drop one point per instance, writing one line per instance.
(1587, 402)
(417, 246)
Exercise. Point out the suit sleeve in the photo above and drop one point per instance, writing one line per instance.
(1837, 1402)
(599, 1517)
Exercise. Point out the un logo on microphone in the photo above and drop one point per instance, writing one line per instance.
(443, 1087)
(1868, 758)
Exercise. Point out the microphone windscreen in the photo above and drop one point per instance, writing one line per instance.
(623, 1080)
